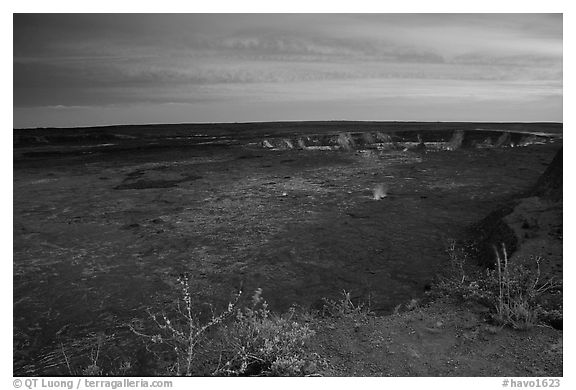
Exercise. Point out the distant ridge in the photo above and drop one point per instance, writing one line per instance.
(443, 124)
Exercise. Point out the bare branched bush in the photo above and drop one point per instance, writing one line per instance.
(180, 336)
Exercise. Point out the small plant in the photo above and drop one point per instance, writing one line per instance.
(458, 258)
(345, 308)
(259, 343)
(86, 356)
(93, 369)
(237, 342)
(460, 280)
(181, 336)
(512, 291)
(518, 290)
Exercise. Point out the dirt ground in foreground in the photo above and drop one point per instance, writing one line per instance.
(442, 339)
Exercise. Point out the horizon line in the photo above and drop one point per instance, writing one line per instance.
(278, 121)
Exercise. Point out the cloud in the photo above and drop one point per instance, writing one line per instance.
(89, 60)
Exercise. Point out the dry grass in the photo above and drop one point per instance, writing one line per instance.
(512, 291)
(518, 290)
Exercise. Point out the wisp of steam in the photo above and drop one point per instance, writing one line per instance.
(380, 191)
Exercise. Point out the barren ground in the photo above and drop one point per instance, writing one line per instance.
(97, 240)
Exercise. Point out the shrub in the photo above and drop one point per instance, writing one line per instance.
(261, 343)
(345, 308)
(460, 279)
(179, 336)
(518, 289)
(236, 342)
(93, 369)
(511, 290)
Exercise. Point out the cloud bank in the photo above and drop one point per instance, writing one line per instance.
(73, 70)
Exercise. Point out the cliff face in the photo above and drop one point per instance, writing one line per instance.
(489, 234)
(549, 186)
(529, 227)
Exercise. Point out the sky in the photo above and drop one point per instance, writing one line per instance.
(99, 69)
